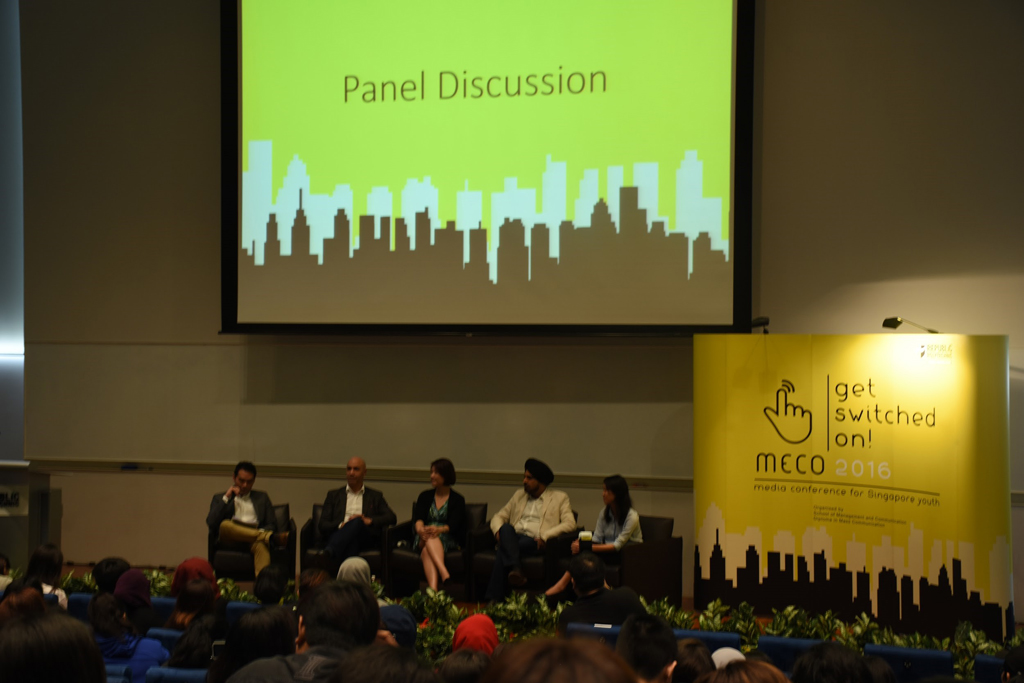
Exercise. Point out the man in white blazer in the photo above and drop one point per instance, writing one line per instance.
(526, 523)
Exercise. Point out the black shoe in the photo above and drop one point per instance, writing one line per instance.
(517, 578)
(447, 585)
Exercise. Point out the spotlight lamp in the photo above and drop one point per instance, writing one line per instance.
(894, 322)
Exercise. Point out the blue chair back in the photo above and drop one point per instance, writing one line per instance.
(237, 609)
(161, 674)
(913, 665)
(168, 637)
(713, 639)
(78, 606)
(784, 651)
(116, 673)
(610, 635)
(163, 607)
(988, 669)
(51, 599)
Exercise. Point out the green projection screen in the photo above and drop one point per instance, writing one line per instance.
(554, 164)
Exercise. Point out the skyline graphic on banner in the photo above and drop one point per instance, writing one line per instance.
(696, 216)
(904, 589)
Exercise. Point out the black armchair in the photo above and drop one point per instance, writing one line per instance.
(542, 571)
(234, 560)
(312, 544)
(405, 569)
(654, 568)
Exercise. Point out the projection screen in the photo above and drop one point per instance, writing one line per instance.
(568, 164)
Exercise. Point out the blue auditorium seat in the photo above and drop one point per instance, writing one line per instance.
(237, 609)
(988, 669)
(911, 664)
(78, 606)
(784, 651)
(160, 674)
(163, 607)
(610, 635)
(51, 599)
(168, 637)
(117, 673)
(713, 639)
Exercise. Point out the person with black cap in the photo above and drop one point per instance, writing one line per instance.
(532, 517)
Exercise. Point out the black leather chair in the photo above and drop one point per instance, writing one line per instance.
(312, 544)
(234, 560)
(541, 570)
(405, 569)
(654, 568)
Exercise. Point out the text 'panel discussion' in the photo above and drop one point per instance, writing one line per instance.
(560, 340)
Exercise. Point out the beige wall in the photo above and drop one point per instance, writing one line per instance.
(888, 181)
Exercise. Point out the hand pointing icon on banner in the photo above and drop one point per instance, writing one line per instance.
(791, 421)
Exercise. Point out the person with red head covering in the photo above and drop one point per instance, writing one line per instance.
(476, 632)
(193, 568)
(132, 589)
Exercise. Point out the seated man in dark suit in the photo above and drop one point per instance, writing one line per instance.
(354, 517)
(597, 604)
(246, 516)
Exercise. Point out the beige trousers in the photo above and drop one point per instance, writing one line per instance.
(258, 540)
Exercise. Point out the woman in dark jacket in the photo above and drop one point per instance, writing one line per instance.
(439, 518)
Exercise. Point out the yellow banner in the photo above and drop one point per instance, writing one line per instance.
(865, 473)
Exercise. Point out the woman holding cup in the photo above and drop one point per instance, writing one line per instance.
(618, 525)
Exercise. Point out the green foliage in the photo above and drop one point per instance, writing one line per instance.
(519, 617)
(743, 621)
(438, 616)
(16, 573)
(378, 589)
(713, 617)
(159, 583)
(967, 643)
(83, 584)
(289, 593)
(791, 622)
(230, 590)
(675, 616)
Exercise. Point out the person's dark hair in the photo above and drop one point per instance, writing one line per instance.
(107, 571)
(270, 585)
(263, 632)
(107, 618)
(47, 647)
(5, 564)
(194, 600)
(194, 648)
(45, 564)
(830, 663)
(881, 671)
(384, 664)
(618, 487)
(693, 660)
(464, 666)
(744, 671)
(446, 469)
(310, 579)
(588, 571)
(341, 613)
(756, 655)
(549, 660)
(247, 466)
(647, 644)
(21, 599)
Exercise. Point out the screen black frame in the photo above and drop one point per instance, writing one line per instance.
(743, 145)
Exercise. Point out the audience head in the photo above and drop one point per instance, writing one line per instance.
(355, 569)
(1013, 663)
(107, 571)
(693, 660)
(21, 599)
(402, 625)
(726, 655)
(195, 599)
(548, 660)
(384, 664)
(444, 468)
(45, 564)
(341, 614)
(5, 565)
(194, 648)
(476, 632)
(830, 663)
(587, 571)
(191, 569)
(270, 585)
(616, 492)
(264, 632)
(107, 617)
(464, 666)
(310, 579)
(132, 589)
(880, 670)
(756, 655)
(47, 647)
(648, 645)
(745, 671)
